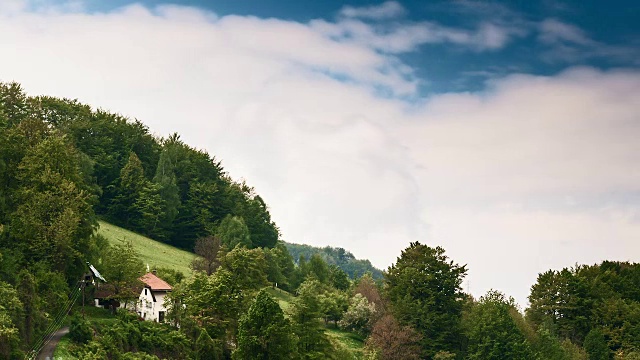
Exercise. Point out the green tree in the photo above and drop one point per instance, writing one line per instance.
(233, 232)
(596, 346)
(166, 179)
(423, 287)
(280, 266)
(333, 304)
(306, 314)
(54, 218)
(264, 232)
(248, 268)
(122, 268)
(131, 184)
(492, 332)
(359, 315)
(206, 348)
(338, 278)
(318, 268)
(263, 332)
(11, 320)
(150, 205)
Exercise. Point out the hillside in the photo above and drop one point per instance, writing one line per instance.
(340, 257)
(157, 254)
(153, 253)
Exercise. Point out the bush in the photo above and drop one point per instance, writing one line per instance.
(80, 331)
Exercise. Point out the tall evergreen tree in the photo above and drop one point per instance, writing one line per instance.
(263, 332)
(423, 287)
(165, 177)
(131, 184)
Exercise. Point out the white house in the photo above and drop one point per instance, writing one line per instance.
(151, 304)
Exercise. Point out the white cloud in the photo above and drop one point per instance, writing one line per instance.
(408, 36)
(554, 31)
(386, 10)
(569, 43)
(513, 180)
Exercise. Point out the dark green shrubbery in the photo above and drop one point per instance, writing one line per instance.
(80, 331)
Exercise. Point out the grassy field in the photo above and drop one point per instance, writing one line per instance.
(152, 252)
(283, 298)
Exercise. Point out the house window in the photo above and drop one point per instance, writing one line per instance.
(161, 316)
(145, 292)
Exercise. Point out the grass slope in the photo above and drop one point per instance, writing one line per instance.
(153, 253)
(159, 254)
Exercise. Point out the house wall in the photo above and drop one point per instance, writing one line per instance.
(149, 309)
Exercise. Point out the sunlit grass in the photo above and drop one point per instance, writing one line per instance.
(153, 253)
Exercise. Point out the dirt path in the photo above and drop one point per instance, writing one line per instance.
(47, 351)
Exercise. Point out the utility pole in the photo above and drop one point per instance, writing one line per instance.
(84, 282)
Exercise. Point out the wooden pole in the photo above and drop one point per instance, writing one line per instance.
(83, 286)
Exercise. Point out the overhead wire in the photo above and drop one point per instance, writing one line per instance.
(50, 333)
(54, 325)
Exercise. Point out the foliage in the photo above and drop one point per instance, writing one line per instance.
(263, 332)
(306, 313)
(80, 331)
(492, 332)
(206, 348)
(368, 288)
(577, 300)
(423, 287)
(391, 341)
(171, 276)
(339, 257)
(333, 304)
(280, 267)
(11, 317)
(121, 266)
(596, 346)
(359, 316)
(209, 251)
(233, 232)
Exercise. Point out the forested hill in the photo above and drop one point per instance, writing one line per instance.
(340, 257)
(159, 187)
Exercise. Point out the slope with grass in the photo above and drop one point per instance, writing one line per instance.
(152, 253)
(158, 254)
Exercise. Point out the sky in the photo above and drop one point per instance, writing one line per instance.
(505, 132)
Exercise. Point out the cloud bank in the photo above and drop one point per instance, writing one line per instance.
(531, 173)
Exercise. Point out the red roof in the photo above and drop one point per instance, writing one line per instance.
(154, 282)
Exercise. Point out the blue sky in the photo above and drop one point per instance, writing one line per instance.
(504, 132)
(593, 33)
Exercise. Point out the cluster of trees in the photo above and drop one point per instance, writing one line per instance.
(47, 197)
(339, 257)
(63, 165)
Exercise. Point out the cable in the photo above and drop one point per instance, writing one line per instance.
(55, 324)
(55, 320)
